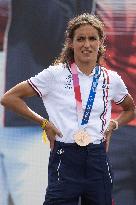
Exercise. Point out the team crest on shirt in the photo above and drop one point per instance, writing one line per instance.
(68, 83)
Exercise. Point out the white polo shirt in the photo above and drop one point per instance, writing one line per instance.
(55, 86)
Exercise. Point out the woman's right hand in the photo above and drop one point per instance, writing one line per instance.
(51, 132)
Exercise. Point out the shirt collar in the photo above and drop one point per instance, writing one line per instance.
(91, 74)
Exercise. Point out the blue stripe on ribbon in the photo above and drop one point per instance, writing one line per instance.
(91, 97)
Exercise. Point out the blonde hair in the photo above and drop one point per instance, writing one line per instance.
(67, 53)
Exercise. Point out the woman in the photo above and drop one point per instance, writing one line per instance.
(77, 93)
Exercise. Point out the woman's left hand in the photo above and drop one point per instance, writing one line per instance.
(108, 134)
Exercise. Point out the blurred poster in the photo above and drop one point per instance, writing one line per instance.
(4, 14)
(120, 21)
(35, 38)
(4, 192)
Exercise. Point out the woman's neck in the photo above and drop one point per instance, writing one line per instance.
(86, 68)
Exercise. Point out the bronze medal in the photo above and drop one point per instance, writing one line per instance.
(82, 138)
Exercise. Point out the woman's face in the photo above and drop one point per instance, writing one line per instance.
(85, 44)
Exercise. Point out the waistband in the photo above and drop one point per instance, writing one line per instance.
(63, 144)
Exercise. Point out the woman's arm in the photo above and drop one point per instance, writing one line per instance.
(13, 99)
(127, 114)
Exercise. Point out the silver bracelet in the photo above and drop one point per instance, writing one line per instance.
(116, 124)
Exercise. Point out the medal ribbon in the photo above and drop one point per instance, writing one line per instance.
(84, 117)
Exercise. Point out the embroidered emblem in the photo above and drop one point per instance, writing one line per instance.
(68, 84)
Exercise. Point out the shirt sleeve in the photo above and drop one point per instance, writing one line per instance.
(119, 88)
(42, 82)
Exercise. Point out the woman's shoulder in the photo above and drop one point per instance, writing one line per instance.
(111, 73)
(56, 71)
(114, 77)
(57, 68)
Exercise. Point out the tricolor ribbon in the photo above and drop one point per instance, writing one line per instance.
(84, 117)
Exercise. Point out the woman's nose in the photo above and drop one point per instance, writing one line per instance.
(86, 43)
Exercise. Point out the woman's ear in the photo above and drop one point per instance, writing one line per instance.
(70, 43)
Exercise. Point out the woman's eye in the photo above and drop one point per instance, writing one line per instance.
(92, 38)
(80, 39)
